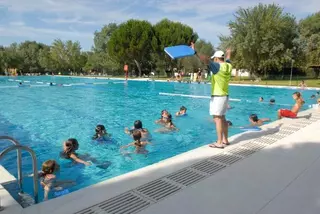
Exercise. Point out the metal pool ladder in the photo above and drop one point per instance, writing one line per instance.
(19, 148)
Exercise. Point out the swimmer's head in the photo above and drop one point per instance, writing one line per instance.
(313, 96)
(254, 118)
(71, 145)
(296, 95)
(49, 167)
(229, 123)
(183, 109)
(164, 113)
(318, 92)
(261, 99)
(168, 118)
(20, 83)
(136, 134)
(272, 101)
(137, 124)
(100, 128)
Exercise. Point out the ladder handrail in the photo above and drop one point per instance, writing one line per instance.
(34, 165)
(19, 159)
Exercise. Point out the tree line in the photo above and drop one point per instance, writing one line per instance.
(264, 39)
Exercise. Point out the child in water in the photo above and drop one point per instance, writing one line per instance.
(48, 178)
(140, 146)
(255, 121)
(138, 126)
(164, 114)
(295, 109)
(261, 99)
(69, 152)
(101, 134)
(182, 112)
(168, 125)
(272, 101)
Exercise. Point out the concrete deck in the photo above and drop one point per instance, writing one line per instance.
(280, 178)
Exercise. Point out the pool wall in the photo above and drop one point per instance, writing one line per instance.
(233, 84)
(84, 198)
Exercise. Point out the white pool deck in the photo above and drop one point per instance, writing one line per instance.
(271, 176)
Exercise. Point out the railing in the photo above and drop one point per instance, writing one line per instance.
(19, 147)
(19, 162)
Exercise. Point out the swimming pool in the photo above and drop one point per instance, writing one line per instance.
(43, 117)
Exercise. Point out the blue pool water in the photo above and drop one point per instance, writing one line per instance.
(43, 117)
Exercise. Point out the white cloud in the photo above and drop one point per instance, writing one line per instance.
(59, 16)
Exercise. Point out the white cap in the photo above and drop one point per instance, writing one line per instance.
(218, 54)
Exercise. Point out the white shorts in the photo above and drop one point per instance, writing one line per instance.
(219, 105)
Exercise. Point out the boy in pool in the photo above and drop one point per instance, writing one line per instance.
(48, 178)
(229, 123)
(101, 134)
(261, 99)
(255, 121)
(295, 109)
(182, 112)
(138, 126)
(140, 146)
(272, 101)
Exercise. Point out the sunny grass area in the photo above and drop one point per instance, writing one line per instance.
(295, 82)
(309, 82)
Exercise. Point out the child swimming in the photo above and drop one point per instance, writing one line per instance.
(138, 126)
(168, 125)
(48, 178)
(182, 112)
(255, 121)
(140, 146)
(101, 134)
(69, 151)
(261, 99)
(295, 109)
(164, 113)
(272, 101)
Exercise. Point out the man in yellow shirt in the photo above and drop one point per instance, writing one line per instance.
(220, 72)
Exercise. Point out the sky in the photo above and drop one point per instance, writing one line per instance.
(46, 20)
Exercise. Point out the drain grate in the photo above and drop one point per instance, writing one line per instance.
(254, 146)
(266, 140)
(225, 158)
(208, 167)
(241, 151)
(291, 128)
(127, 203)
(186, 177)
(285, 132)
(158, 189)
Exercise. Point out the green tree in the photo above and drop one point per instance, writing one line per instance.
(169, 33)
(101, 38)
(309, 29)
(262, 37)
(29, 52)
(132, 41)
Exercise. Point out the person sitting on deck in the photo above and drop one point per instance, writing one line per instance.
(295, 109)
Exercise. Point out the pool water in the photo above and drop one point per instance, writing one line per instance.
(43, 117)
